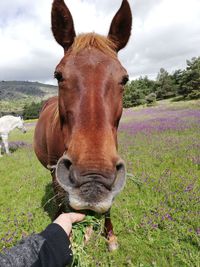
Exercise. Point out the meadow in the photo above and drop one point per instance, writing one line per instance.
(156, 217)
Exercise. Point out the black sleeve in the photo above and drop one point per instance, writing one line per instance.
(50, 248)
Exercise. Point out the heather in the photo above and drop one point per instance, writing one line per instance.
(156, 217)
(158, 119)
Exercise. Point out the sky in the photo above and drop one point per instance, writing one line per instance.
(165, 34)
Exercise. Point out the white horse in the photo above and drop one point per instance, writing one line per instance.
(7, 124)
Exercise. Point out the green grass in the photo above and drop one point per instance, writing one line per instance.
(156, 218)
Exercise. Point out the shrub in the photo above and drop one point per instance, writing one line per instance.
(195, 94)
(151, 99)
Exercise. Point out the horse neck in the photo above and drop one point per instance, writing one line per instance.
(13, 125)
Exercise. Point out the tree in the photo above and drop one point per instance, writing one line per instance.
(165, 86)
(183, 82)
(31, 111)
(133, 96)
(189, 80)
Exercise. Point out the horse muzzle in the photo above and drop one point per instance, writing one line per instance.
(90, 190)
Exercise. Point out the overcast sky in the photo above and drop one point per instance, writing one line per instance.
(165, 33)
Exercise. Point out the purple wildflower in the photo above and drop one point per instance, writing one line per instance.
(167, 217)
(189, 188)
(158, 119)
(198, 231)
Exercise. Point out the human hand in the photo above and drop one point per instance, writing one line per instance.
(66, 220)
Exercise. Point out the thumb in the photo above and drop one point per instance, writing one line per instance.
(76, 217)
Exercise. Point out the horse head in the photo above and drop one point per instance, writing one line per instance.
(20, 124)
(91, 82)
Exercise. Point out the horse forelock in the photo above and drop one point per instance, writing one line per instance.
(93, 40)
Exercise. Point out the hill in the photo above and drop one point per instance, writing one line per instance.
(15, 94)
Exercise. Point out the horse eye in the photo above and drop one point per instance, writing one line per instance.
(124, 80)
(58, 76)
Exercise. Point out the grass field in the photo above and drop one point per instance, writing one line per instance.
(156, 217)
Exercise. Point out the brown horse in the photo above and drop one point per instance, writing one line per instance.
(77, 131)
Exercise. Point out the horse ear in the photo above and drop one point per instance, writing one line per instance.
(62, 24)
(120, 28)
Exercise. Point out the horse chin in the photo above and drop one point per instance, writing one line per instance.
(78, 203)
(101, 208)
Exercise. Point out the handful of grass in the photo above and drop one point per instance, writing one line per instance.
(80, 257)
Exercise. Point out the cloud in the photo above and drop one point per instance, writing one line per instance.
(165, 37)
(165, 34)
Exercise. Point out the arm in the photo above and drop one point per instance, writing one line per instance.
(49, 248)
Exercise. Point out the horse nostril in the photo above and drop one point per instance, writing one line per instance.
(120, 167)
(64, 171)
(67, 163)
(120, 176)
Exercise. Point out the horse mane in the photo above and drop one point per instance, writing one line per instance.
(52, 101)
(89, 40)
(55, 116)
